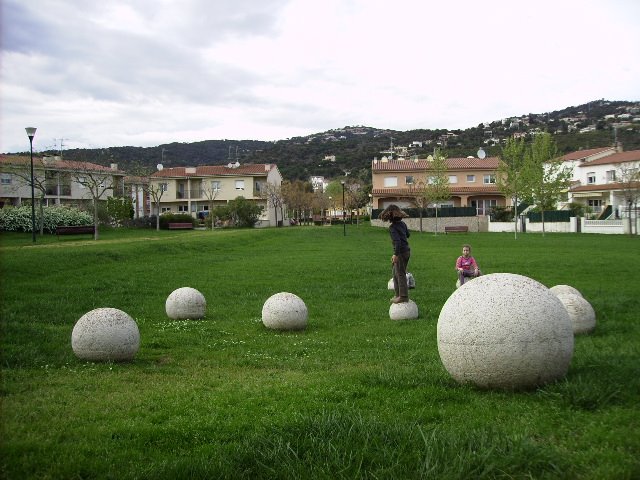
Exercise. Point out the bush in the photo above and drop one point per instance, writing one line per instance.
(141, 222)
(18, 219)
(501, 214)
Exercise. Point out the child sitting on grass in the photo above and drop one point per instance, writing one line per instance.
(466, 265)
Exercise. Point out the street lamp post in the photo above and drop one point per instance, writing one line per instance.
(31, 132)
(344, 212)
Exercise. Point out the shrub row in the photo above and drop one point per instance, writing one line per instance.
(18, 219)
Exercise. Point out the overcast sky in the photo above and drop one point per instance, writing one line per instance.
(148, 72)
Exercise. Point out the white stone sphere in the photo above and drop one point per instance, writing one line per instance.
(284, 311)
(581, 313)
(184, 303)
(559, 289)
(504, 331)
(403, 311)
(105, 334)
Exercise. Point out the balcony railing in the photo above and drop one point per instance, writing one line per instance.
(184, 194)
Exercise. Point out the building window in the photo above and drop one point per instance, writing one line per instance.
(5, 179)
(408, 179)
(215, 186)
(611, 175)
(165, 209)
(453, 179)
(390, 181)
(471, 178)
(596, 205)
(183, 208)
(489, 178)
(591, 177)
(239, 184)
(164, 187)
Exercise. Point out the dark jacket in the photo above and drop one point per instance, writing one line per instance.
(399, 235)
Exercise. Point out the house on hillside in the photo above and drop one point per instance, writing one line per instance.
(602, 178)
(472, 182)
(193, 189)
(56, 181)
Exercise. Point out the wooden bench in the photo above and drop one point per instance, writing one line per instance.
(180, 226)
(75, 230)
(456, 228)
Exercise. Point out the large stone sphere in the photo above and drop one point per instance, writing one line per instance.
(581, 313)
(185, 303)
(284, 311)
(105, 334)
(504, 331)
(403, 311)
(559, 289)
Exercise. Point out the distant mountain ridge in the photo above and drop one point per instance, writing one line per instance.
(594, 124)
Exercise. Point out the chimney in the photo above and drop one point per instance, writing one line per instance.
(190, 170)
(114, 166)
(267, 167)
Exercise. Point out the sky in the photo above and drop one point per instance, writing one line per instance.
(149, 72)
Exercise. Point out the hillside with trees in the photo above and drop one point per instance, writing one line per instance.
(350, 149)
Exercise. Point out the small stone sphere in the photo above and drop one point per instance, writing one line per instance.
(581, 313)
(558, 289)
(185, 303)
(105, 334)
(504, 331)
(403, 311)
(284, 311)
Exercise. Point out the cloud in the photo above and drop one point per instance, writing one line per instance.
(146, 72)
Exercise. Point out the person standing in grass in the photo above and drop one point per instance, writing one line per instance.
(401, 251)
(466, 265)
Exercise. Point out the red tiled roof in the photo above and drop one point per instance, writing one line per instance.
(604, 187)
(481, 189)
(489, 163)
(57, 164)
(215, 170)
(622, 157)
(581, 154)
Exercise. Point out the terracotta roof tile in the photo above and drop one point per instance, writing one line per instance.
(582, 154)
(215, 170)
(603, 187)
(57, 164)
(622, 157)
(489, 163)
(480, 189)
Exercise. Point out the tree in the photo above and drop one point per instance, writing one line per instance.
(243, 212)
(155, 193)
(510, 174)
(545, 178)
(357, 196)
(629, 178)
(211, 192)
(275, 196)
(97, 182)
(119, 209)
(437, 186)
(420, 197)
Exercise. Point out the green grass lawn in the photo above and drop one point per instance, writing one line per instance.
(355, 395)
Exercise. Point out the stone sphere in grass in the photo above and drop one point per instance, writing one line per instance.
(185, 303)
(559, 289)
(505, 331)
(403, 311)
(284, 311)
(581, 313)
(105, 334)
